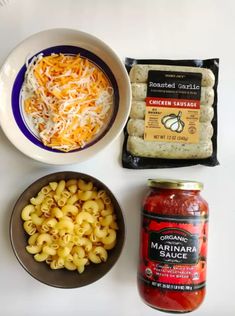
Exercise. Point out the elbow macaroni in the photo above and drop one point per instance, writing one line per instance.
(71, 224)
(26, 212)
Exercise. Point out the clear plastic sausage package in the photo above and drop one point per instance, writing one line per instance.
(173, 118)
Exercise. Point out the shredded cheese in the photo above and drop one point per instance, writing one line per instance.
(67, 98)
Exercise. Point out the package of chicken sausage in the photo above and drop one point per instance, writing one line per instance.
(173, 118)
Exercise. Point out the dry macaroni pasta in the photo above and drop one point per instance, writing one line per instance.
(71, 224)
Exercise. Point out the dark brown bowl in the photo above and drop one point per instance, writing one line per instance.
(40, 270)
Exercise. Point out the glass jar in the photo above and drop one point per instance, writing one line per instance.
(173, 246)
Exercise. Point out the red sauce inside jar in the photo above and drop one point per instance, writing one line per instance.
(173, 246)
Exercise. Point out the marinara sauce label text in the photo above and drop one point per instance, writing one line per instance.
(173, 106)
(173, 252)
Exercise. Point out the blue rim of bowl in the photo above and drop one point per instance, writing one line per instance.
(69, 50)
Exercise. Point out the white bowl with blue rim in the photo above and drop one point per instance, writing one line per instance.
(13, 120)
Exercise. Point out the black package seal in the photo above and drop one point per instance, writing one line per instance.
(135, 162)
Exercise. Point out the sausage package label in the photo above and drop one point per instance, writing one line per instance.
(173, 106)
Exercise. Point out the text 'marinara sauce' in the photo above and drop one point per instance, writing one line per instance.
(173, 246)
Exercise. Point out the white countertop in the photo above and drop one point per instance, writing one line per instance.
(141, 29)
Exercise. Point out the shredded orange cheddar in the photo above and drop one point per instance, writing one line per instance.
(68, 99)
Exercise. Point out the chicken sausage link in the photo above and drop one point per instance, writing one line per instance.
(135, 127)
(138, 147)
(139, 93)
(139, 73)
(138, 109)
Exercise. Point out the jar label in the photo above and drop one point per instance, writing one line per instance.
(173, 245)
(173, 252)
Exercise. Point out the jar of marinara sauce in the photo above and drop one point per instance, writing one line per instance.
(173, 246)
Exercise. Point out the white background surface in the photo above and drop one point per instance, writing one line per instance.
(150, 28)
